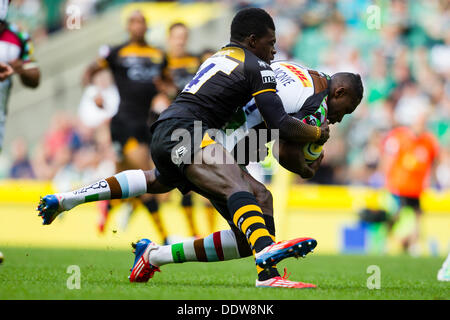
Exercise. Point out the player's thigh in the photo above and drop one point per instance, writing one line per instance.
(215, 172)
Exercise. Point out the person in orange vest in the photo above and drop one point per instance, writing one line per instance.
(409, 154)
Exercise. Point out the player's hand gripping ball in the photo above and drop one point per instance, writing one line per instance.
(312, 150)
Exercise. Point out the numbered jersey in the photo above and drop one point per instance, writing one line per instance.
(224, 83)
(304, 95)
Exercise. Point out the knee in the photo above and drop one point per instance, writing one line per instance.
(234, 186)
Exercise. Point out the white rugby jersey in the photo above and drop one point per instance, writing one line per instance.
(302, 94)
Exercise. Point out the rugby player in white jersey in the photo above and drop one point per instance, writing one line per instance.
(16, 57)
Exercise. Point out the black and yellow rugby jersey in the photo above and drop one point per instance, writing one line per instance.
(182, 69)
(224, 83)
(134, 68)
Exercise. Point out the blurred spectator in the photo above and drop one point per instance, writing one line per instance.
(21, 167)
(443, 169)
(439, 55)
(55, 150)
(75, 151)
(89, 160)
(409, 154)
(411, 103)
(100, 100)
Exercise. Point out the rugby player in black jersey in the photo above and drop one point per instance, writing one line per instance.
(248, 216)
(138, 70)
(318, 101)
(230, 78)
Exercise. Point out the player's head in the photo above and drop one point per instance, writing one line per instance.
(346, 92)
(178, 36)
(254, 29)
(137, 26)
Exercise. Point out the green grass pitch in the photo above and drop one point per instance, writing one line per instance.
(31, 273)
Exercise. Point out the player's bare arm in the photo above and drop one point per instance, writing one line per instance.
(5, 71)
(291, 157)
(29, 74)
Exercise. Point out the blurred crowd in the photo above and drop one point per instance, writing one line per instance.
(401, 49)
(44, 17)
(71, 153)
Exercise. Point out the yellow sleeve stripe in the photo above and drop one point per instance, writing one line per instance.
(244, 209)
(265, 90)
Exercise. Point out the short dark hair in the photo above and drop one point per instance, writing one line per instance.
(353, 82)
(357, 85)
(250, 21)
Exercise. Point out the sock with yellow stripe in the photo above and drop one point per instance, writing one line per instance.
(243, 245)
(247, 216)
(264, 274)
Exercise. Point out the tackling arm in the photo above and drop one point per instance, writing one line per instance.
(291, 129)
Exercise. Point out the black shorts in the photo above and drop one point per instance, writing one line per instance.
(125, 132)
(174, 143)
(412, 202)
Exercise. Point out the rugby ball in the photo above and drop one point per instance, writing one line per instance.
(312, 151)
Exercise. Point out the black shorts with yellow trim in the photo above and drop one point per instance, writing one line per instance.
(128, 133)
(174, 143)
